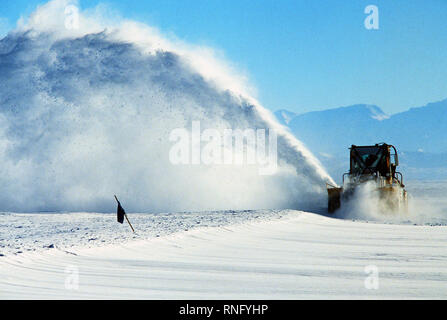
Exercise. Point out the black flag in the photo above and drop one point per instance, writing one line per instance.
(120, 212)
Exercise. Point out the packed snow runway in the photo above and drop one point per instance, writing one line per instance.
(278, 255)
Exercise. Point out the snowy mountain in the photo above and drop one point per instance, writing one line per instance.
(419, 134)
(284, 116)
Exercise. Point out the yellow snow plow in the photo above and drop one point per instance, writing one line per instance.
(377, 165)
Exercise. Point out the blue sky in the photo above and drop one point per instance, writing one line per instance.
(307, 55)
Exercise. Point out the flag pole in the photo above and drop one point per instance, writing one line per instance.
(125, 215)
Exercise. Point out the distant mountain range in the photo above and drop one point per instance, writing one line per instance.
(419, 134)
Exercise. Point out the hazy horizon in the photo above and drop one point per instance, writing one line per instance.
(325, 108)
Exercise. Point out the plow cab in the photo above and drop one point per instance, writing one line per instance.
(375, 164)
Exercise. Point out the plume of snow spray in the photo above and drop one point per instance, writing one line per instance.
(86, 112)
(423, 207)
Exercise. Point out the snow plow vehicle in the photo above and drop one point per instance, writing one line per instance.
(375, 165)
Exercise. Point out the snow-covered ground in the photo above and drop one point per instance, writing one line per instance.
(28, 232)
(281, 254)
